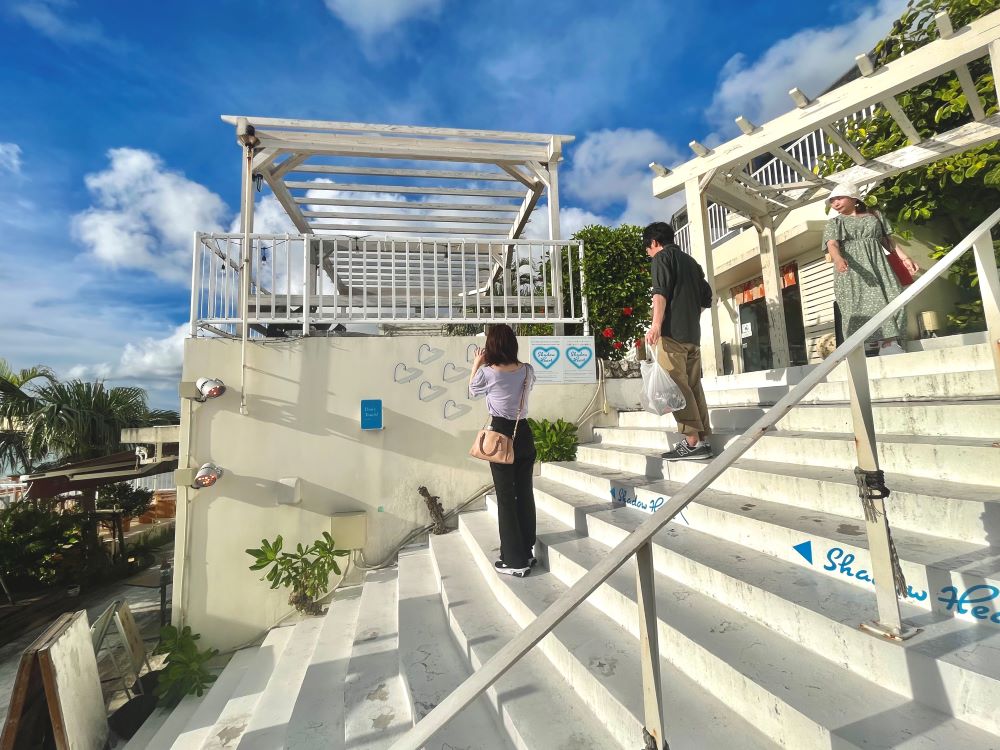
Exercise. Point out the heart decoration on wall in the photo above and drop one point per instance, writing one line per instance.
(470, 352)
(429, 392)
(579, 355)
(546, 356)
(404, 374)
(452, 373)
(454, 410)
(426, 353)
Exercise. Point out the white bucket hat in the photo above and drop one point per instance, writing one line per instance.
(845, 190)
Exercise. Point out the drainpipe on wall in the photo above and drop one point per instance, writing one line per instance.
(248, 139)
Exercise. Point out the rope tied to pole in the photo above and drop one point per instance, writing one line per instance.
(871, 487)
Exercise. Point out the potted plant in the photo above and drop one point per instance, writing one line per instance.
(554, 441)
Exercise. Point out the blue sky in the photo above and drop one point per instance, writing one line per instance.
(112, 152)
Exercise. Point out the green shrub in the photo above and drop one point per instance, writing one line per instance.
(38, 544)
(132, 501)
(306, 571)
(618, 286)
(184, 671)
(554, 441)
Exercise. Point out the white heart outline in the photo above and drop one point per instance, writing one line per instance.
(569, 356)
(534, 355)
(460, 372)
(434, 392)
(412, 373)
(432, 354)
(460, 409)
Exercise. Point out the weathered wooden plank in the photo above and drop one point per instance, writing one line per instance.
(509, 208)
(405, 189)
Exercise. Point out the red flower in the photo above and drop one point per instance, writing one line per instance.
(626, 311)
(618, 345)
(608, 332)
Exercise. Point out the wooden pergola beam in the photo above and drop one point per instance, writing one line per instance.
(508, 208)
(443, 174)
(404, 189)
(360, 127)
(406, 217)
(407, 229)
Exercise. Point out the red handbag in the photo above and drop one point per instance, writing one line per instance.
(896, 264)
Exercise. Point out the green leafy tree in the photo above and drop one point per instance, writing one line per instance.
(132, 501)
(951, 195)
(617, 285)
(16, 400)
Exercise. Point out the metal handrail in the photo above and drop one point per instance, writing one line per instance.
(638, 540)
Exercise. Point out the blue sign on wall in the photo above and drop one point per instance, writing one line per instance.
(371, 414)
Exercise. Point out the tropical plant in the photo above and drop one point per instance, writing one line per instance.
(950, 195)
(306, 571)
(184, 671)
(16, 401)
(617, 284)
(131, 501)
(554, 441)
(38, 544)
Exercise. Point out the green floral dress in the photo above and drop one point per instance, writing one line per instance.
(869, 283)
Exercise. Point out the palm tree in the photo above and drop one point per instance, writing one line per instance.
(15, 402)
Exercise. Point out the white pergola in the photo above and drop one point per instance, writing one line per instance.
(723, 175)
(499, 180)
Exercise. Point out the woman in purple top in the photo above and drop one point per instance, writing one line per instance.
(505, 381)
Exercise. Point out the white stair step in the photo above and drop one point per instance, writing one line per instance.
(269, 723)
(317, 720)
(187, 726)
(233, 719)
(819, 612)
(432, 664)
(536, 706)
(931, 387)
(376, 707)
(601, 660)
(969, 460)
(967, 512)
(929, 563)
(931, 418)
(799, 699)
(958, 510)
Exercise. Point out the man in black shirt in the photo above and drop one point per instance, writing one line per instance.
(680, 292)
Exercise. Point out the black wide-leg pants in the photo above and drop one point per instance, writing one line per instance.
(515, 494)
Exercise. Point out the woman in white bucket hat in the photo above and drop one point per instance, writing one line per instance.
(864, 282)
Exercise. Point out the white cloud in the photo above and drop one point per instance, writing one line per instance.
(10, 158)
(145, 215)
(571, 220)
(811, 59)
(610, 168)
(370, 18)
(47, 18)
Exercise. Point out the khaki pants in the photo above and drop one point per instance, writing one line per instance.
(683, 363)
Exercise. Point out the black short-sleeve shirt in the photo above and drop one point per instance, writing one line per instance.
(678, 277)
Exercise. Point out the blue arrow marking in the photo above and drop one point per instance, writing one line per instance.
(806, 550)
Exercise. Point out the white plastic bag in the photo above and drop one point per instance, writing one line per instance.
(660, 394)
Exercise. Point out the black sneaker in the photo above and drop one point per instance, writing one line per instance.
(504, 568)
(682, 452)
(532, 562)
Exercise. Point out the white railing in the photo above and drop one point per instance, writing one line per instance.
(309, 283)
(639, 543)
(807, 150)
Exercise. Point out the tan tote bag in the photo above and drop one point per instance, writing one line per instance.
(494, 446)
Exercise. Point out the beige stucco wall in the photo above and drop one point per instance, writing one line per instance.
(303, 402)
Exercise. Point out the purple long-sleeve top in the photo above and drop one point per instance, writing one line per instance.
(503, 389)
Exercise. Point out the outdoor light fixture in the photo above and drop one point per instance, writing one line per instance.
(207, 475)
(202, 389)
(246, 134)
(659, 169)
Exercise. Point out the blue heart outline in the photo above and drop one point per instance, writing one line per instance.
(590, 355)
(534, 354)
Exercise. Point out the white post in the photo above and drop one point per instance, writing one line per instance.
(246, 216)
(989, 287)
(771, 270)
(701, 251)
(890, 623)
(649, 649)
(195, 284)
(308, 280)
(555, 234)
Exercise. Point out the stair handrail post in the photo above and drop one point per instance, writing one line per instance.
(890, 622)
(989, 288)
(649, 647)
(508, 655)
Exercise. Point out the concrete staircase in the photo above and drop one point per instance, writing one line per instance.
(760, 584)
